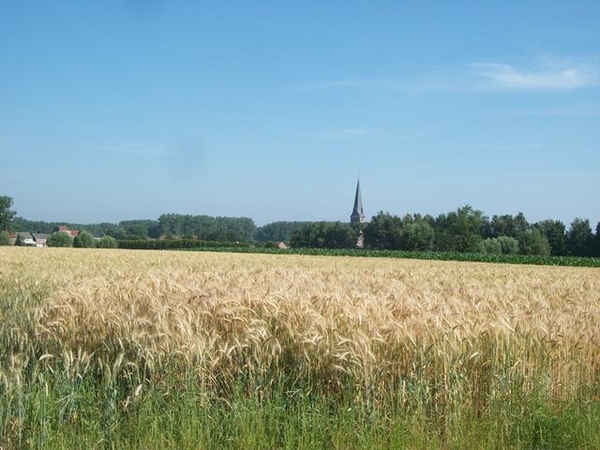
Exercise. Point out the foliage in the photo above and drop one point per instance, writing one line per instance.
(532, 242)
(59, 239)
(171, 244)
(464, 230)
(491, 246)
(507, 225)
(107, 242)
(39, 226)
(580, 240)
(4, 238)
(83, 240)
(508, 245)
(278, 231)
(460, 231)
(394, 233)
(139, 229)
(324, 235)
(232, 229)
(6, 214)
(554, 231)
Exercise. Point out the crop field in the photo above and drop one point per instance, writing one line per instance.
(161, 349)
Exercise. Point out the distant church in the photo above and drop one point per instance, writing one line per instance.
(358, 215)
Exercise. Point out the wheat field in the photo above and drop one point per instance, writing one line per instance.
(429, 334)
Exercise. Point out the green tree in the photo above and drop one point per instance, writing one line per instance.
(278, 231)
(4, 238)
(383, 232)
(532, 242)
(83, 240)
(580, 240)
(500, 245)
(509, 245)
(460, 231)
(59, 239)
(554, 231)
(507, 225)
(324, 235)
(491, 246)
(6, 214)
(107, 242)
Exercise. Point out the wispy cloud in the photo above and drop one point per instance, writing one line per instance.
(545, 74)
(508, 77)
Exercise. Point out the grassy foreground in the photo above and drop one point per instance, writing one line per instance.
(138, 349)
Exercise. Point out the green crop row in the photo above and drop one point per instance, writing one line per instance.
(243, 247)
(179, 244)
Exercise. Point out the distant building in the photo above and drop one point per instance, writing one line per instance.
(40, 239)
(358, 215)
(24, 238)
(65, 229)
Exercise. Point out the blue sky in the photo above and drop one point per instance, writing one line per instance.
(127, 109)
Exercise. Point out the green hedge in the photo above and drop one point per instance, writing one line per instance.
(245, 247)
(178, 244)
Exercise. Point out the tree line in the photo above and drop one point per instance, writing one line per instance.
(464, 230)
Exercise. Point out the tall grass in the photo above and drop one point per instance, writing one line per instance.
(133, 349)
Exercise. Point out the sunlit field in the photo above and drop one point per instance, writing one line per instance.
(149, 349)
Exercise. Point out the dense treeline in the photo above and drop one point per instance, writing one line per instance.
(207, 228)
(280, 231)
(465, 230)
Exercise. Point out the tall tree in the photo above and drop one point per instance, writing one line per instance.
(383, 232)
(324, 235)
(580, 240)
(278, 231)
(533, 242)
(554, 231)
(460, 231)
(6, 214)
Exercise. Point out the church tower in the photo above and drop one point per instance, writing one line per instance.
(358, 215)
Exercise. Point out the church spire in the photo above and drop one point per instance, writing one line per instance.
(358, 215)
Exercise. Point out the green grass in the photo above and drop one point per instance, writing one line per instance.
(177, 413)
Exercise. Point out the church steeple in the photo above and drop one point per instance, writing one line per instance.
(358, 215)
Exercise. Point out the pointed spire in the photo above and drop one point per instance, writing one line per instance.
(358, 215)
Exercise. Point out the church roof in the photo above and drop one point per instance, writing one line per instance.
(357, 211)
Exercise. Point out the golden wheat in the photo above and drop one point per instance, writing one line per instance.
(365, 321)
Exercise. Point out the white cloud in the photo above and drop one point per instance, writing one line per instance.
(508, 77)
(546, 74)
